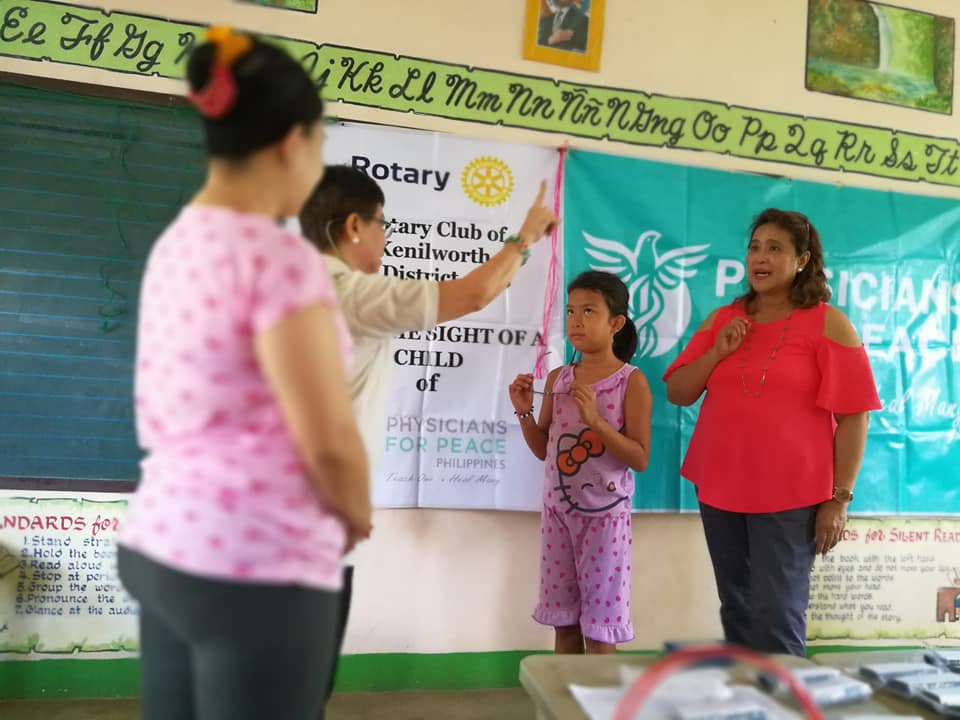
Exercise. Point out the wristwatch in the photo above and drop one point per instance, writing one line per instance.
(842, 495)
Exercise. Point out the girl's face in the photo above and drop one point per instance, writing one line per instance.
(590, 327)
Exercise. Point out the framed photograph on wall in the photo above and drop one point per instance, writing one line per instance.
(564, 32)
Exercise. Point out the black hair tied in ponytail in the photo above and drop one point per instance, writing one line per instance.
(625, 341)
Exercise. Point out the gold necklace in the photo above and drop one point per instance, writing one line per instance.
(745, 356)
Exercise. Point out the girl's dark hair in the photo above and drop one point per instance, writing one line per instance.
(810, 286)
(617, 297)
(342, 191)
(274, 93)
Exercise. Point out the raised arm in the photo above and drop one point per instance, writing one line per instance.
(478, 288)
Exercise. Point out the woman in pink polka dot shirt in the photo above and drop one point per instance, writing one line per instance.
(254, 483)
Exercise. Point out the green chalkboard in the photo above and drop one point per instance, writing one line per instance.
(86, 185)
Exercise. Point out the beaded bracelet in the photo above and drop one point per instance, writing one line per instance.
(523, 249)
(522, 415)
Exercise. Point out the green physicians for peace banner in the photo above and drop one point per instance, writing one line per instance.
(678, 236)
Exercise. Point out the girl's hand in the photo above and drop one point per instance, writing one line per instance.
(521, 393)
(586, 400)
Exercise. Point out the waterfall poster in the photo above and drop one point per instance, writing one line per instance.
(878, 52)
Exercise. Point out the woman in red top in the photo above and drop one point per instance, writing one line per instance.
(780, 435)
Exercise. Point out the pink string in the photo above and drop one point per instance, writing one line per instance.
(550, 294)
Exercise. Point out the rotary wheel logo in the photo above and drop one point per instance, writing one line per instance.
(487, 181)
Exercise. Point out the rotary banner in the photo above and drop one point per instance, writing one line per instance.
(452, 438)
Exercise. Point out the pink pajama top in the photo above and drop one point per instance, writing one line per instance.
(223, 493)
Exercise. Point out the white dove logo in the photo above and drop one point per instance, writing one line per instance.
(659, 298)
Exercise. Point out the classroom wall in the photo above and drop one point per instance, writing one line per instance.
(443, 581)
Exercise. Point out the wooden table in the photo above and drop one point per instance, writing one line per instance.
(547, 680)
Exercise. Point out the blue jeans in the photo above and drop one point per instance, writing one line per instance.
(762, 563)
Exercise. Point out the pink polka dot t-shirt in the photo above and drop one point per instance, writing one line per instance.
(223, 493)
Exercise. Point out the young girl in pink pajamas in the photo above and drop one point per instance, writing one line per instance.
(593, 432)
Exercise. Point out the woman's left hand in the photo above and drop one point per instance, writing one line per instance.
(586, 400)
(831, 519)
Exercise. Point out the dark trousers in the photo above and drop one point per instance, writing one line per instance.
(343, 615)
(762, 563)
(214, 650)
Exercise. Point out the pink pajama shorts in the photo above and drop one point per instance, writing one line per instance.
(585, 564)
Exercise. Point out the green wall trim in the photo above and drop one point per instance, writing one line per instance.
(374, 672)
(817, 649)
(441, 671)
(75, 678)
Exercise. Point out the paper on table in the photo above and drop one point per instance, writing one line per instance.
(879, 673)
(687, 684)
(878, 717)
(692, 688)
(597, 703)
